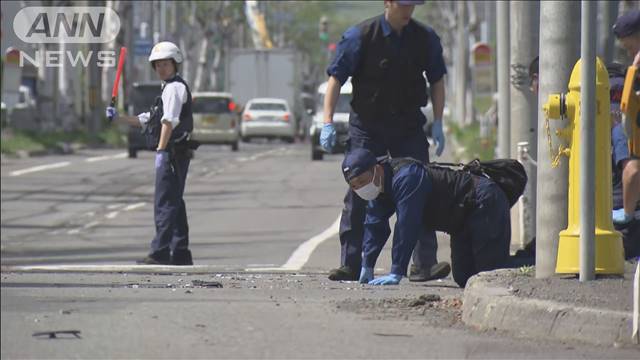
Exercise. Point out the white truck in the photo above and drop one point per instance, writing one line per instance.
(340, 120)
(265, 73)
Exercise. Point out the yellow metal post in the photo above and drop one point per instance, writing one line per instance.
(608, 242)
(630, 106)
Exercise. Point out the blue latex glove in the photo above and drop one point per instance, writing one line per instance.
(620, 217)
(391, 279)
(161, 156)
(438, 136)
(328, 137)
(111, 113)
(366, 275)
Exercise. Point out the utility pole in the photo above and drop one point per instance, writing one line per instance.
(163, 20)
(608, 11)
(462, 62)
(588, 139)
(559, 51)
(525, 28)
(490, 19)
(504, 101)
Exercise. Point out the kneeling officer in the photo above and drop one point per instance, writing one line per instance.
(166, 129)
(472, 209)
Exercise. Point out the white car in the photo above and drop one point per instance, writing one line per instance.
(268, 117)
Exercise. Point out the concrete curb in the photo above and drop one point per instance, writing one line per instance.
(139, 269)
(486, 306)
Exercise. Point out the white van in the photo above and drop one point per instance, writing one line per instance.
(340, 120)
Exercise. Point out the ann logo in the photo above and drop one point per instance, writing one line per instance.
(72, 24)
(41, 25)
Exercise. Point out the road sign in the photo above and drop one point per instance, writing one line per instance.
(142, 46)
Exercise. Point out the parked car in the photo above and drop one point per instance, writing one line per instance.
(340, 120)
(268, 117)
(215, 119)
(143, 96)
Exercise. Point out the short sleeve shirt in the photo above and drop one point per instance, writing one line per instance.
(348, 53)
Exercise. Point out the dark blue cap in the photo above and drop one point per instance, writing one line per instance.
(357, 162)
(627, 24)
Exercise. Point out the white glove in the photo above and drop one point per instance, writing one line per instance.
(144, 117)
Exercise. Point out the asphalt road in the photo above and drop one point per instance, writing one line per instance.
(263, 225)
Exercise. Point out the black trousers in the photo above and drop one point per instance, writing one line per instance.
(170, 213)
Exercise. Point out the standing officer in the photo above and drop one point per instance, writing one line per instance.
(473, 209)
(627, 30)
(166, 128)
(622, 170)
(386, 57)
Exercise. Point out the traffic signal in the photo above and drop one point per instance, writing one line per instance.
(323, 33)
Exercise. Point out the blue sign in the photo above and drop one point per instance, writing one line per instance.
(142, 46)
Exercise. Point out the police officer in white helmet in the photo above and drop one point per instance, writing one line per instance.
(166, 128)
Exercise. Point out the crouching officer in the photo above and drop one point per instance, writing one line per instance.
(166, 129)
(472, 209)
(386, 56)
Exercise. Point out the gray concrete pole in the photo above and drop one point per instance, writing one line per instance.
(608, 12)
(504, 101)
(491, 21)
(462, 62)
(525, 29)
(587, 141)
(163, 20)
(559, 50)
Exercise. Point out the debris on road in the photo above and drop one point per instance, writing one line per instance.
(206, 284)
(55, 334)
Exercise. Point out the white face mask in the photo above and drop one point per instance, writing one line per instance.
(371, 190)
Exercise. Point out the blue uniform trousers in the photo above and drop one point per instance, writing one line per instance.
(397, 141)
(483, 244)
(630, 238)
(170, 213)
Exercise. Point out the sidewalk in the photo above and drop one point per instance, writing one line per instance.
(598, 312)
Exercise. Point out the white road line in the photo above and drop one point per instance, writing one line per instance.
(91, 224)
(39, 168)
(259, 155)
(134, 206)
(112, 214)
(302, 254)
(259, 265)
(106, 157)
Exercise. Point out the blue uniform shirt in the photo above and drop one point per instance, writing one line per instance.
(348, 53)
(405, 195)
(620, 153)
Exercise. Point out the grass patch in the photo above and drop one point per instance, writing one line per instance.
(482, 103)
(14, 141)
(469, 138)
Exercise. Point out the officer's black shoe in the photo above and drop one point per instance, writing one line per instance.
(155, 259)
(181, 257)
(437, 271)
(344, 273)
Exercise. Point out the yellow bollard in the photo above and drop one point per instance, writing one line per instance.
(608, 242)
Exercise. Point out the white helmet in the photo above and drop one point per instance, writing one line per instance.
(165, 50)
